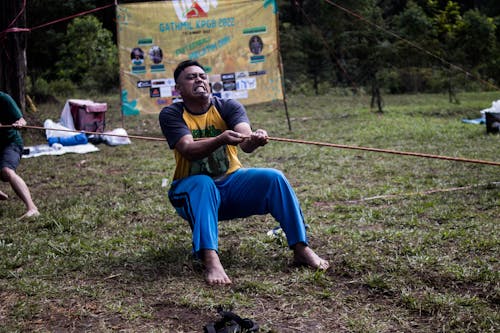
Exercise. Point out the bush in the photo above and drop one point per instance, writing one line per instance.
(420, 80)
(89, 58)
(40, 91)
(62, 87)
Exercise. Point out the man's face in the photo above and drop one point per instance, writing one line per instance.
(193, 83)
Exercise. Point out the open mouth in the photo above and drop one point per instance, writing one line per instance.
(200, 89)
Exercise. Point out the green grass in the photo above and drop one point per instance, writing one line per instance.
(413, 242)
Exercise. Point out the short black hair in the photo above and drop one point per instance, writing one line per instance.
(183, 65)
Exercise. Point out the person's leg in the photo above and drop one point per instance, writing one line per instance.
(304, 255)
(258, 191)
(3, 196)
(10, 159)
(197, 200)
(22, 191)
(214, 271)
(3, 163)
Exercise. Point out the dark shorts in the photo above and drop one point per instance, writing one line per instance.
(10, 156)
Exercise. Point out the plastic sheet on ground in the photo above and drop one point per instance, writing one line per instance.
(57, 149)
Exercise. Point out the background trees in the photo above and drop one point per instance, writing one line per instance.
(396, 46)
(88, 55)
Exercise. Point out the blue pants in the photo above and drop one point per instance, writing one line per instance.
(257, 191)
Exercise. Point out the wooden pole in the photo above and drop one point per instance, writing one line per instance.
(13, 50)
(280, 65)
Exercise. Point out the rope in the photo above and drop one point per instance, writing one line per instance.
(72, 16)
(350, 12)
(388, 151)
(396, 196)
(415, 45)
(325, 43)
(3, 34)
(11, 29)
(90, 133)
(18, 14)
(323, 144)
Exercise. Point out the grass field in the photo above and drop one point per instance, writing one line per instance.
(414, 242)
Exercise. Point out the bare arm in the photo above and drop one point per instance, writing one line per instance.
(253, 139)
(19, 123)
(196, 149)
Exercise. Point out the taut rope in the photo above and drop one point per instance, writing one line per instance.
(323, 144)
(388, 151)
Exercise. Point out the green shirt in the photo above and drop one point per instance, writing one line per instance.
(9, 113)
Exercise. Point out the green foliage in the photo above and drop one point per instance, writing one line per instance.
(428, 36)
(477, 38)
(39, 88)
(89, 57)
(413, 80)
(44, 43)
(62, 87)
(43, 91)
(414, 26)
(449, 20)
(322, 46)
(303, 65)
(413, 23)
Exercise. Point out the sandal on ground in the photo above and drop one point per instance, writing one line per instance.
(231, 323)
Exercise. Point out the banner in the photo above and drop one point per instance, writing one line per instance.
(235, 40)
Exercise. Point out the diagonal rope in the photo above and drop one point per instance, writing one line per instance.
(413, 44)
(315, 143)
(23, 8)
(350, 12)
(72, 16)
(11, 29)
(325, 43)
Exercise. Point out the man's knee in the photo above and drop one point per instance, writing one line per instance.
(6, 174)
(275, 175)
(202, 182)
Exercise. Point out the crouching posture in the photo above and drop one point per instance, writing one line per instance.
(210, 184)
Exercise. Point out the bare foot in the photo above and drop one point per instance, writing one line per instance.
(30, 214)
(214, 272)
(3, 196)
(304, 255)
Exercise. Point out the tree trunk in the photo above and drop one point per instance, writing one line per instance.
(376, 97)
(13, 50)
(452, 97)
